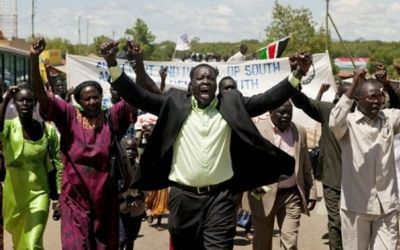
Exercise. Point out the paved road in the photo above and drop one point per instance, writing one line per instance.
(311, 234)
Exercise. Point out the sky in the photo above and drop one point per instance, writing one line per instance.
(209, 20)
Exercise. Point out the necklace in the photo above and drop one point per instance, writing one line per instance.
(90, 123)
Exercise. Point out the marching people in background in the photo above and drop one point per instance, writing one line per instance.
(131, 202)
(369, 198)
(227, 83)
(393, 100)
(287, 199)
(240, 56)
(157, 200)
(89, 204)
(58, 85)
(26, 146)
(329, 168)
(204, 152)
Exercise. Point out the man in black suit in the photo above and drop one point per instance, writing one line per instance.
(206, 148)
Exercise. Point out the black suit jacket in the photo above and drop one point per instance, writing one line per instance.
(255, 161)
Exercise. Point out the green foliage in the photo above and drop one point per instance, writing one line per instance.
(97, 42)
(377, 51)
(61, 43)
(299, 25)
(163, 51)
(140, 33)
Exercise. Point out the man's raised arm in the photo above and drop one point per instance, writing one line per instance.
(338, 116)
(126, 87)
(280, 93)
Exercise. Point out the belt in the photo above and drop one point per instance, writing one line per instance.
(287, 190)
(204, 189)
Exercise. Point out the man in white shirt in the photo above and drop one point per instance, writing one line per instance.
(239, 56)
(369, 196)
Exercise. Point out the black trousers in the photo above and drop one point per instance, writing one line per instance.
(129, 228)
(332, 203)
(199, 222)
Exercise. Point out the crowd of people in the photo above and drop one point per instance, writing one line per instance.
(202, 160)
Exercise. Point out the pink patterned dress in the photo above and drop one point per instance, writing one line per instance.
(88, 201)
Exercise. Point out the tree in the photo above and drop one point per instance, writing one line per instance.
(299, 24)
(97, 42)
(163, 51)
(141, 34)
(60, 43)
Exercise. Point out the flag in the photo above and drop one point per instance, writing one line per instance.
(274, 49)
(183, 43)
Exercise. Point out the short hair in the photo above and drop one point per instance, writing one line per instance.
(223, 79)
(78, 89)
(369, 81)
(227, 78)
(27, 87)
(288, 102)
(202, 65)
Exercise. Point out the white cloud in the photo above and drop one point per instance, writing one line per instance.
(367, 19)
(224, 20)
(222, 10)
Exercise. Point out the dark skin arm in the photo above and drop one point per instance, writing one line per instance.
(3, 108)
(358, 77)
(280, 93)
(69, 94)
(127, 88)
(381, 76)
(142, 78)
(300, 63)
(37, 48)
(50, 80)
(324, 87)
(163, 75)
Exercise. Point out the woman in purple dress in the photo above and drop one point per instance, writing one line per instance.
(89, 205)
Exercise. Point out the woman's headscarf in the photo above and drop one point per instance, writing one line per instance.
(81, 86)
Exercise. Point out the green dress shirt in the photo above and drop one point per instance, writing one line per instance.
(201, 153)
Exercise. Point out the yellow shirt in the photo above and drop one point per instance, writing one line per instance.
(201, 153)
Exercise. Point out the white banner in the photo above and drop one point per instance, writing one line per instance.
(252, 76)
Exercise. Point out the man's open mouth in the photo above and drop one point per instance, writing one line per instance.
(205, 91)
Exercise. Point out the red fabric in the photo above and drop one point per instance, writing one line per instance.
(89, 208)
(272, 50)
(171, 246)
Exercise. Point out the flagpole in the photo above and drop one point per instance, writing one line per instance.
(341, 40)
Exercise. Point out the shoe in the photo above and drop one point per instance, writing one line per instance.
(150, 219)
(159, 228)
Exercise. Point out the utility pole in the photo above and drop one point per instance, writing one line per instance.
(33, 19)
(327, 26)
(87, 32)
(79, 34)
(113, 34)
(16, 19)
